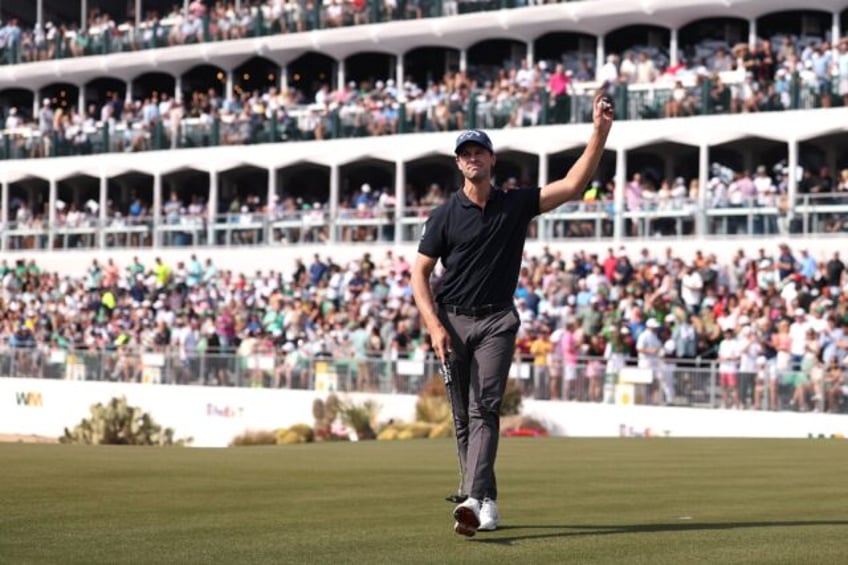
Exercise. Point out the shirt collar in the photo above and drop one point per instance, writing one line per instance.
(467, 203)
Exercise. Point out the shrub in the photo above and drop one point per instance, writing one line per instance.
(118, 423)
(360, 417)
(427, 409)
(289, 437)
(304, 431)
(443, 430)
(417, 430)
(325, 413)
(433, 409)
(523, 426)
(511, 404)
(254, 437)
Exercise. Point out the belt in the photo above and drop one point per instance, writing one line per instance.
(477, 311)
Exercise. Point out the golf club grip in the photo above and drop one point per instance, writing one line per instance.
(447, 372)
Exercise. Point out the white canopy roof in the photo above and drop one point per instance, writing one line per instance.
(786, 127)
(594, 17)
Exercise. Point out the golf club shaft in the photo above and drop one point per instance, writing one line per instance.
(447, 375)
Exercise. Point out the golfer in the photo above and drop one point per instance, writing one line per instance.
(478, 234)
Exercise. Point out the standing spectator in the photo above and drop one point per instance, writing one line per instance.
(728, 357)
(46, 127)
(541, 349)
(649, 347)
(691, 289)
(569, 351)
(749, 351)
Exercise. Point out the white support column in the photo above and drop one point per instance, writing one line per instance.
(703, 180)
(178, 88)
(463, 60)
(399, 72)
(52, 199)
(36, 104)
(673, 47)
(84, 15)
(400, 199)
(792, 189)
(618, 197)
(340, 75)
(39, 14)
(185, 6)
(212, 208)
(600, 55)
(157, 209)
(284, 78)
(531, 54)
(81, 100)
(271, 202)
(129, 93)
(228, 93)
(835, 34)
(752, 33)
(4, 215)
(137, 18)
(103, 211)
(334, 202)
(542, 180)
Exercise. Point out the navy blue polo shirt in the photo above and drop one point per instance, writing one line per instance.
(480, 248)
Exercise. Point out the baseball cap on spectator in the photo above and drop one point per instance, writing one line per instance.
(652, 323)
(800, 312)
(474, 136)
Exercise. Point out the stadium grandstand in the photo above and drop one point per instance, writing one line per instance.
(230, 193)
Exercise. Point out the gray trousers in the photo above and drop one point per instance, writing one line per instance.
(482, 349)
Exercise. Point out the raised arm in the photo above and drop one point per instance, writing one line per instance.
(571, 186)
(421, 271)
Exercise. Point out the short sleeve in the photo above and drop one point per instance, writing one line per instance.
(433, 242)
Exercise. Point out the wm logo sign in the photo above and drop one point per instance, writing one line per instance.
(29, 398)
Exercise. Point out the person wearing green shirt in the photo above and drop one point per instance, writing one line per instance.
(162, 273)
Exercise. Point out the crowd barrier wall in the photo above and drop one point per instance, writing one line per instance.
(250, 259)
(214, 416)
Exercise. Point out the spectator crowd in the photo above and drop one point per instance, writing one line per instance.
(773, 323)
(736, 79)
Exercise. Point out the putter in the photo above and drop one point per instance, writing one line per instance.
(447, 375)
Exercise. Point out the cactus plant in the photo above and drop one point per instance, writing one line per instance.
(118, 423)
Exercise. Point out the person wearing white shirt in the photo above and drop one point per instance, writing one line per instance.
(649, 347)
(729, 354)
(749, 350)
(608, 73)
(798, 336)
(691, 289)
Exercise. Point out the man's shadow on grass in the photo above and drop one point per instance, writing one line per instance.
(566, 531)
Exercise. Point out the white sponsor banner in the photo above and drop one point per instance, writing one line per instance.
(214, 416)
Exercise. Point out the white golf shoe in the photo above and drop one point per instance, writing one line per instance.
(467, 516)
(489, 516)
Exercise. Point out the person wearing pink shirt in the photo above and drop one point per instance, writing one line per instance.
(559, 85)
(569, 349)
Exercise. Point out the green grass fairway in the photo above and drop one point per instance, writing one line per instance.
(563, 501)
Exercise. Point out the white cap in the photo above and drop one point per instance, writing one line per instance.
(652, 323)
(800, 312)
